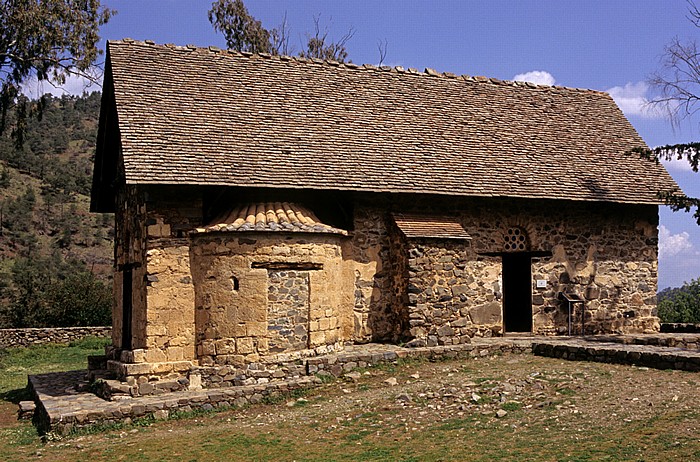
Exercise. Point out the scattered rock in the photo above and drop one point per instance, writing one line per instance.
(391, 381)
(501, 413)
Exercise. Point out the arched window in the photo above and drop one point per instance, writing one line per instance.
(515, 240)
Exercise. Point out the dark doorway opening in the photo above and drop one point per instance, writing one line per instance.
(517, 292)
(127, 305)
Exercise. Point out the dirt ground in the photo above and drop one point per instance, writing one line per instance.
(510, 407)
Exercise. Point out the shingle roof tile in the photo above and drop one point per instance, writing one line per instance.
(196, 116)
(441, 227)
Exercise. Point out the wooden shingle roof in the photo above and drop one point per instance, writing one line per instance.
(205, 116)
(438, 227)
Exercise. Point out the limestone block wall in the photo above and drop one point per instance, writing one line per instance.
(226, 300)
(166, 326)
(173, 212)
(260, 294)
(170, 326)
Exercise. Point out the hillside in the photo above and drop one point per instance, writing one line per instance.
(56, 256)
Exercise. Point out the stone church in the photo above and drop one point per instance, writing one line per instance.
(275, 205)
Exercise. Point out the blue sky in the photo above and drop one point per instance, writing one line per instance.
(608, 45)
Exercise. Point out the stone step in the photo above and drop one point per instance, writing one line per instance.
(26, 410)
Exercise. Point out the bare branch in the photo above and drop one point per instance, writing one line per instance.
(383, 46)
(279, 38)
(318, 47)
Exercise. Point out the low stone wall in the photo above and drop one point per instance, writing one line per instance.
(43, 335)
(679, 327)
(638, 355)
(677, 340)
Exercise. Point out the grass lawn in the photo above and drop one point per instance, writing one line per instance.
(17, 363)
(554, 411)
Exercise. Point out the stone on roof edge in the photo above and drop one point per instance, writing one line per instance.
(428, 71)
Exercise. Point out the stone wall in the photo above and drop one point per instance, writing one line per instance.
(258, 294)
(604, 252)
(288, 310)
(223, 299)
(130, 255)
(170, 330)
(452, 293)
(173, 211)
(43, 335)
(369, 250)
(400, 274)
(148, 247)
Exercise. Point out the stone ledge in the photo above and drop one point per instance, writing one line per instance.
(639, 355)
(61, 414)
(126, 369)
(686, 341)
(64, 401)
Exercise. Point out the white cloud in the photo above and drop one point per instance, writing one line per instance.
(538, 77)
(74, 85)
(671, 245)
(677, 165)
(633, 100)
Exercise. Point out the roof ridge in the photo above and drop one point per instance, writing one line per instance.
(428, 72)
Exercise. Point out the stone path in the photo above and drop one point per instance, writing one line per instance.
(64, 400)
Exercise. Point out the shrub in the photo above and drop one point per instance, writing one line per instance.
(681, 304)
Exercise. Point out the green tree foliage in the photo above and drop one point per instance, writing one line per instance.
(245, 33)
(48, 40)
(4, 178)
(18, 213)
(681, 304)
(55, 256)
(241, 30)
(54, 144)
(50, 292)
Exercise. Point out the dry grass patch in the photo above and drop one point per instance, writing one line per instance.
(511, 407)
